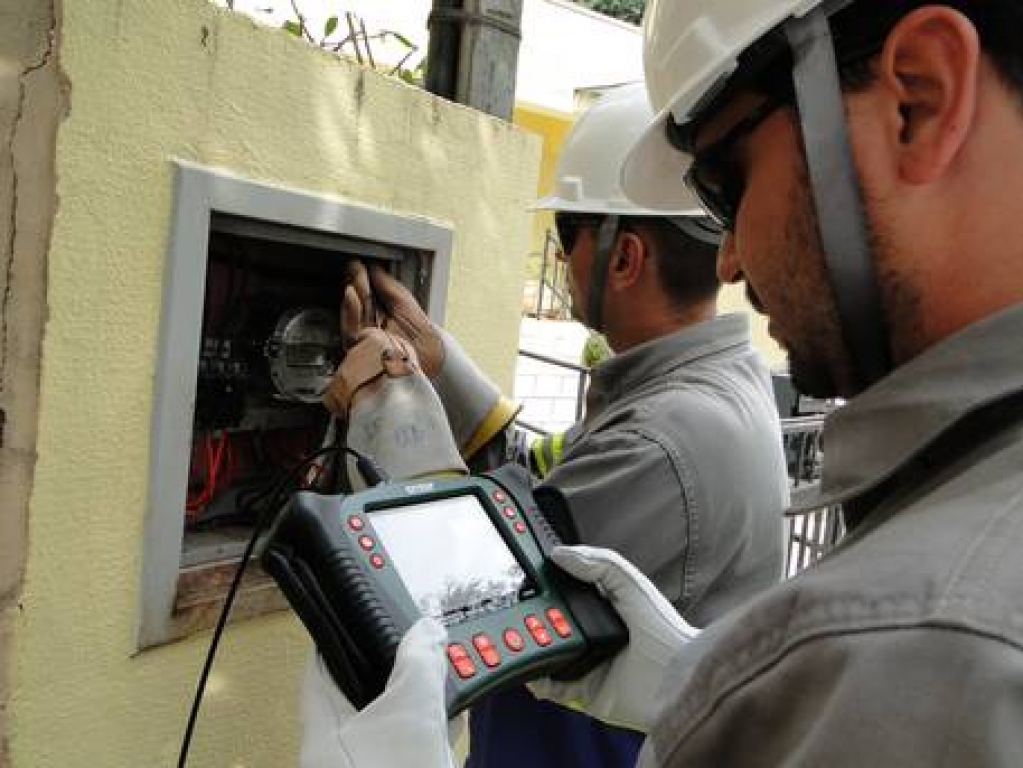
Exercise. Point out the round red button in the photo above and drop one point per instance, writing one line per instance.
(356, 523)
(514, 640)
(377, 561)
(499, 497)
(366, 542)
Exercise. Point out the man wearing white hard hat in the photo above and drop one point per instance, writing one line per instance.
(866, 161)
(678, 463)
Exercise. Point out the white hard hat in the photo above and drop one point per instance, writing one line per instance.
(588, 175)
(690, 48)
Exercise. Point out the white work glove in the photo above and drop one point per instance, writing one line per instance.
(621, 691)
(474, 405)
(405, 727)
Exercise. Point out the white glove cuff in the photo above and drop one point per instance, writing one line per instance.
(401, 424)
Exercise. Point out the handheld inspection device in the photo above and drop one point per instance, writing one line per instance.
(359, 570)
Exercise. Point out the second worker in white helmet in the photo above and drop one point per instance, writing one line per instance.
(677, 463)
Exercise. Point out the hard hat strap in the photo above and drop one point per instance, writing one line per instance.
(836, 194)
(606, 236)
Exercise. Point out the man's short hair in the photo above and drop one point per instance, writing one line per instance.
(687, 266)
(860, 29)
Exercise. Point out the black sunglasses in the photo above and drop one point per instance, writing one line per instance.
(714, 175)
(569, 225)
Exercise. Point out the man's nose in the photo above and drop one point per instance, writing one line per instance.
(729, 270)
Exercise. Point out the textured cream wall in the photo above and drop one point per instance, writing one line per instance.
(31, 103)
(151, 80)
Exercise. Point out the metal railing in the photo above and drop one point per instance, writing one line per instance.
(580, 394)
(553, 280)
(812, 533)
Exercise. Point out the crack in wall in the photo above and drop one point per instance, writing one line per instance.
(9, 378)
(42, 61)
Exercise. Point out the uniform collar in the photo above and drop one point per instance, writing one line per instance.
(880, 431)
(659, 357)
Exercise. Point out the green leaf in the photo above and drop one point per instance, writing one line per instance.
(294, 28)
(330, 27)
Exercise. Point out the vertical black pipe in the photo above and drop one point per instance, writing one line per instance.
(442, 53)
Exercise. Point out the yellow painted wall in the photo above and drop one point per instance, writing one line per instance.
(150, 80)
(552, 127)
(733, 299)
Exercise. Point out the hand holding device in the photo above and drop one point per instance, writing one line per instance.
(405, 726)
(473, 553)
(621, 690)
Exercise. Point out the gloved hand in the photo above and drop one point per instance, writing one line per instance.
(405, 727)
(392, 412)
(621, 690)
(474, 405)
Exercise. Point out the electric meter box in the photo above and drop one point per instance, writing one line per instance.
(249, 339)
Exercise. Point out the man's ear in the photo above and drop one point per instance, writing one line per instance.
(930, 65)
(627, 262)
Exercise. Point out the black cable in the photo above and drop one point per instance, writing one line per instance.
(371, 473)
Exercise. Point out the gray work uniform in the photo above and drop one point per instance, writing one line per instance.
(904, 647)
(679, 466)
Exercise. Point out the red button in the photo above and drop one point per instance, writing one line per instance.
(542, 637)
(537, 630)
(366, 542)
(487, 651)
(482, 642)
(356, 523)
(499, 497)
(559, 622)
(520, 527)
(376, 561)
(459, 658)
(509, 512)
(514, 640)
(465, 668)
(457, 652)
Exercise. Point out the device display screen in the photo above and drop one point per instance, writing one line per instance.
(451, 557)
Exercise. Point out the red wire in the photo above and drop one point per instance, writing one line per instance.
(198, 502)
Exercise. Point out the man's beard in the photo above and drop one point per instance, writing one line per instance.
(820, 363)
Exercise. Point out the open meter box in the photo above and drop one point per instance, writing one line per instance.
(359, 570)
